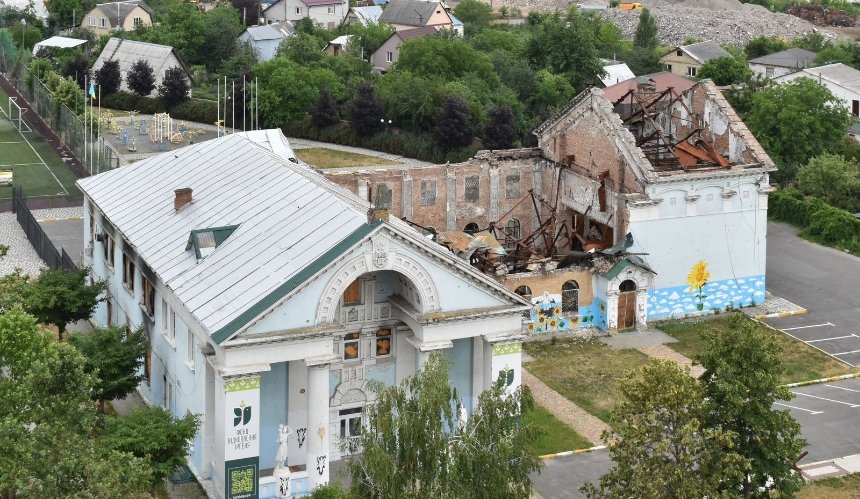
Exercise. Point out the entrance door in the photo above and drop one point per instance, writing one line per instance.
(627, 305)
(350, 428)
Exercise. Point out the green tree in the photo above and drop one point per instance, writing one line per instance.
(725, 70)
(500, 131)
(475, 14)
(174, 88)
(113, 358)
(302, 48)
(141, 78)
(453, 124)
(796, 121)
(553, 91)
(108, 77)
(832, 179)
(566, 45)
(411, 101)
(67, 13)
(490, 41)
(77, 68)
(221, 30)
(646, 31)
(367, 38)
(325, 110)
(288, 89)
(445, 58)
(182, 27)
(660, 443)
(415, 445)
(152, 434)
(741, 383)
(812, 41)
(834, 54)
(643, 61)
(366, 111)
(240, 66)
(60, 296)
(764, 45)
(516, 73)
(13, 289)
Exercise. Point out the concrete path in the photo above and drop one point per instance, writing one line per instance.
(565, 411)
(663, 352)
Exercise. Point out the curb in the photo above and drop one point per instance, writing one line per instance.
(780, 314)
(572, 452)
(823, 380)
(765, 324)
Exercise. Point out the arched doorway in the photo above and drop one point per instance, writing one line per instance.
(627, 305)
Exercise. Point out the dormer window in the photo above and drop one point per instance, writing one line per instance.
(204, 241)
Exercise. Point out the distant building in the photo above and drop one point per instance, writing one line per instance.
(127, 52)
(364, 15)
(120, 16)
(266, 38)
(329, 13)
(616, 73)
(782, 63)
(842, 81)
(338, 45)
(411, 14)
(686, 60)
(389, 52)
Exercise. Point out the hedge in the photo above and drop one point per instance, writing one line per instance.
(819, 222)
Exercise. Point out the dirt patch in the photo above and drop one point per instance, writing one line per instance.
(822, 15)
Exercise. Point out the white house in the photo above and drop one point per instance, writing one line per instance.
(782, 63)
(266, 38)
(328, 13)
(271, 296)
(843, 81)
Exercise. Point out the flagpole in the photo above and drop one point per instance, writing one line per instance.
(86, 141)
(233, 104)
(218, 111)
(257, 102)
(244, 103)
(98, 134)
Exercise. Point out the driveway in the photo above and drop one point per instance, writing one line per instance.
(822, 280)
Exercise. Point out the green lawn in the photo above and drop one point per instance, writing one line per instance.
(556, 436)
(801, 361)
(35, 165)
(846, 487)
(588, 373)
(330, 158)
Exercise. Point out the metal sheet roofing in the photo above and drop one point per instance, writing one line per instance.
(704, 51)
(367, 15)
(616, 73)
(274, 31)
(791, 58)
(116, 12)
(127, 52)
(838, 74)
(60, 42)
(279, 207)
(409, 12)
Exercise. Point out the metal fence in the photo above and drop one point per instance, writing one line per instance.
(40, 241)
(92, 151)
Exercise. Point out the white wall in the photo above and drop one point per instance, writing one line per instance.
(761, 70)
(265, 49)
(845, 95)
(285, 10)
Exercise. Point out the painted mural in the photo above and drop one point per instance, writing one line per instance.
(546, 315)
(678, 301)
(698, 279)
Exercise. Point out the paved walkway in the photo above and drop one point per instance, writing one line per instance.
(663, 352)
(565, 411)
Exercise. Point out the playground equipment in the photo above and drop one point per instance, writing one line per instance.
(220, 128)
(161, 127)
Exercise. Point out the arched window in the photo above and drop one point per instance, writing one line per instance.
(525, 292)
(627, 285)
(471, 228)
(512, 233)
(570, 297)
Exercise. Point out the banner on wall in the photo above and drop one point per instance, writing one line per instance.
(242, 438)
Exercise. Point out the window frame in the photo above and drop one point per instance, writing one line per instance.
(128, 271)
(298, 11)
(92, 21)
(349, 339)
(109, 249)
(147, 297)
(426, 198)
(567, 306)
(104, 22)
(377, 337)
(691, 71)
(512, 186)
(190, 344)
(330, 9)
(472, 193)
(167, 394)
(357, 291)
(389, 57)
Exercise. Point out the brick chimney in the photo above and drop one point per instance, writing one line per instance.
(183, 197)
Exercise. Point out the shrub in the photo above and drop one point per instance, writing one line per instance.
(833, 226)
(108, 77)
(141, 79)
(174, 87)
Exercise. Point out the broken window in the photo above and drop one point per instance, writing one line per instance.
(525, 292)
(428, 192)
(512, 186)
(383, 197)
(512, 233)
(570, 297)
(128, 272)
(471, 228)
(472, 189)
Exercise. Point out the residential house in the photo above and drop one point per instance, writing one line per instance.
(842, 80)
(123, 16)
(411, 14)
(686, 60)
(338, 45)
(328, 13)
(266, 38)
(363, 15)
(389, 52)
(782, 63)
(271, 296)
(615, 72)
(127, 52)
(632, 194)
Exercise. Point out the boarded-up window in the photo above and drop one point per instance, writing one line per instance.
(512, 186)
(352, 295)
(472, 189)
(428, 192)
(382, 199)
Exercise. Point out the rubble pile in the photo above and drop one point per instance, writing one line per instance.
(734, 23)
(821, 15)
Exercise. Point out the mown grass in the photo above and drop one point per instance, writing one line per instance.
(556, 436)
(331, 158)
(801, 361)
(588, 373)
(846, 487)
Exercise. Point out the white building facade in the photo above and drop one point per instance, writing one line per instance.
(328, 13)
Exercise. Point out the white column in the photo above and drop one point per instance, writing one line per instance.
(422, 358)
(611, 310)
(318, 425)
(642, 308)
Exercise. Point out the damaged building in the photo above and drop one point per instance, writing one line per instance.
(647, 206)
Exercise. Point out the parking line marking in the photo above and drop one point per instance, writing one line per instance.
(846, 353)
(843, 388)
(799, 408)
(829, 400)
(834, 338)
(805, 327)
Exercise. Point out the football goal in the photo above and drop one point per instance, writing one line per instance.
(16, 115)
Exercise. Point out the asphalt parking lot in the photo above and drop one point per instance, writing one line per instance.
(822, 280)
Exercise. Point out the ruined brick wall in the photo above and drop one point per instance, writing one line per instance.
(551, 282)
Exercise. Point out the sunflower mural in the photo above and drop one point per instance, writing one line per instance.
(697, 279)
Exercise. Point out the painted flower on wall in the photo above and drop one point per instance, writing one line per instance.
(697, 279)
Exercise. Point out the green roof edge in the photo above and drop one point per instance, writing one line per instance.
(303, 275)
(616, 269)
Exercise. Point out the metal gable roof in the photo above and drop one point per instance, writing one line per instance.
(279, 206)
(791, 58)
(409, 12)
(704, 51)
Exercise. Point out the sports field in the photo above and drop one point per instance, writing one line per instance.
(36, 166)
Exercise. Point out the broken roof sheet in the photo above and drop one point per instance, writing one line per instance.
(662, 81)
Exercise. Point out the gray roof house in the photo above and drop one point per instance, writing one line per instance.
(127, 52)
(685, 60)
(266, 38)
(782, 63)
(409, 14)
(364, 15)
